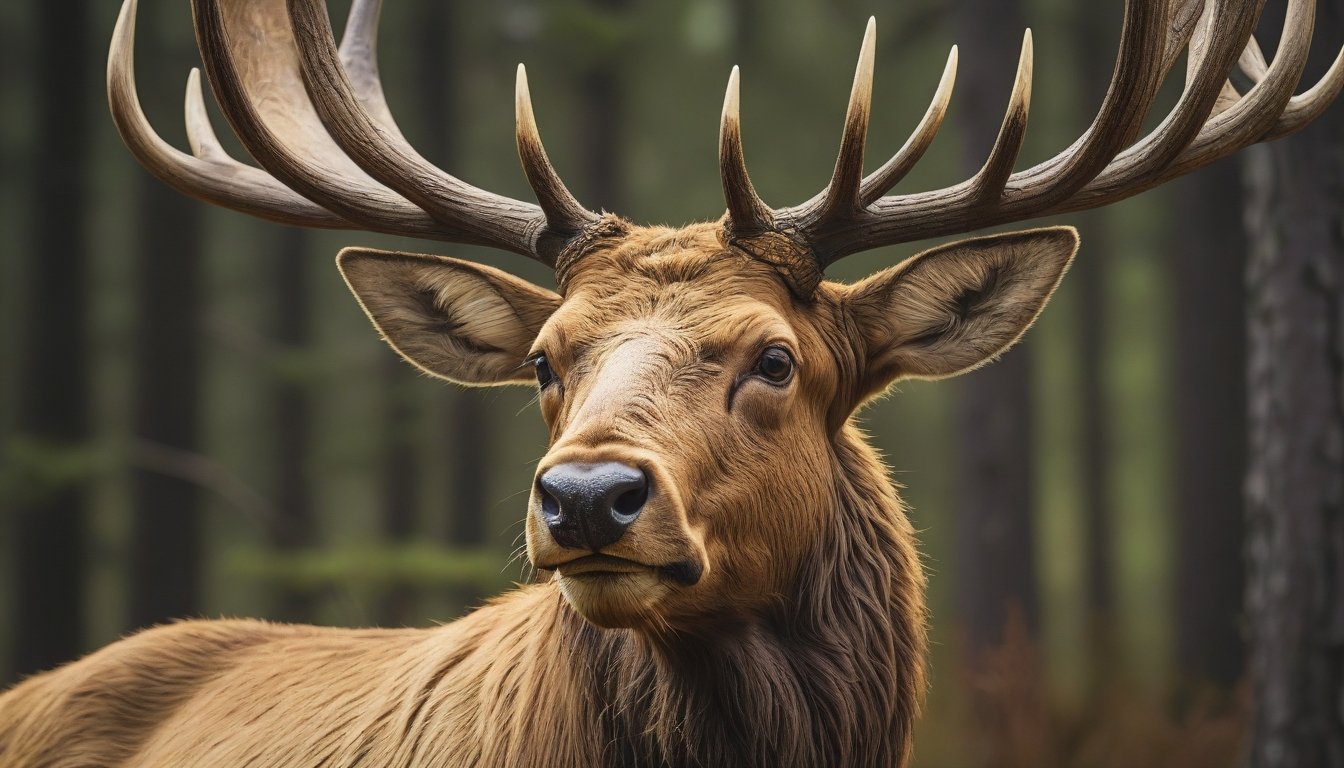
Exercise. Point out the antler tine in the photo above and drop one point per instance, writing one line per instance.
(1307, 106)
(1252, 61)
(841, 197)
(563, 211)
(211, 176)
(988, 183)
(1246, 121)
(1139, 68)
(1213, 49)
(359, 59)
(1185, 19)
(747, 213)
(270, 112)
(880, 182)
(200, 132)
(468, 213)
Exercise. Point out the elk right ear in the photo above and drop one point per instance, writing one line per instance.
(453, 319)
(957, 306)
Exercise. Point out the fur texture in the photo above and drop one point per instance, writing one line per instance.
(801, 639)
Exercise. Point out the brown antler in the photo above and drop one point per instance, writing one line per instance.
(315, 119)
(1209, 122)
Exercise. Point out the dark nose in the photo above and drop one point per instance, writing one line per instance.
(589, 506)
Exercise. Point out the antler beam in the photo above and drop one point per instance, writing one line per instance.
(314, 117)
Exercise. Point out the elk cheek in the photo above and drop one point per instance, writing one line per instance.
(763, 410)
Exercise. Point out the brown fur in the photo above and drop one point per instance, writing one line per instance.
(802, 642)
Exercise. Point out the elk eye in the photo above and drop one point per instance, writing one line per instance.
(775, 365)
(544, 373)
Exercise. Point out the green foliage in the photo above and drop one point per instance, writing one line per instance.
(34, 470)
(422, 565)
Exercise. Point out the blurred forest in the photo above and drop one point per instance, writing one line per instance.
(197, 420)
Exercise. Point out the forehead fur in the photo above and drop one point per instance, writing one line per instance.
(653, 257)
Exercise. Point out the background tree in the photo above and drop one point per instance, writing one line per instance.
(601, 120)
(53, 412)
(294, 526)
(166, 552)
(995, 504)
(1096, 45)
(1295, 479)
(1209, 257)
(472, 415)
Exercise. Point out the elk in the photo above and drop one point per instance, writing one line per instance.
(727, 575)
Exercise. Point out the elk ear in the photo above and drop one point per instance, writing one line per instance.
(450, 318)
(957, 306)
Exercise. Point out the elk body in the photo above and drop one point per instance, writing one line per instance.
(728, 576)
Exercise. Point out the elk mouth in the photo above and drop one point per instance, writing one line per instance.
(599, 566)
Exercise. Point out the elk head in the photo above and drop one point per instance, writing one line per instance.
(694, 380)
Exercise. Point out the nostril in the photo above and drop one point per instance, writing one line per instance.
(550, 508)
(629, 504)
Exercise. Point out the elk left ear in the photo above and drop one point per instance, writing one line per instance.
(450, 318)
(953, 308)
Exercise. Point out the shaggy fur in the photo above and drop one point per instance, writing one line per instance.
(802, 643)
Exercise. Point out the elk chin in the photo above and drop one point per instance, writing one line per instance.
(615, 600)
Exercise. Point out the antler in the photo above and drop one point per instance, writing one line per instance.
(315, 119)
(1210, 121)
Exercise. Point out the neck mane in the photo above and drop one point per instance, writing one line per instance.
(833, 675)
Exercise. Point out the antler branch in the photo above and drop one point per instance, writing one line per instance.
(314, 116)
(1109, 162)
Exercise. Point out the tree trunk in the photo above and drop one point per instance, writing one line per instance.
(995, 539)
(400, 480)
(1096, 52)
(53, 393)
(1210, 397)
(294, 527)
(469, 430)
(400, 461)
(601, 119)
(166, 526)
(1295, 477)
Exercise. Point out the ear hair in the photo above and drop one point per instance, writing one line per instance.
(452, 319)
(958, 306)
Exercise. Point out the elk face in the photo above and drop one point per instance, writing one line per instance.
(683, 387)
(692, 398)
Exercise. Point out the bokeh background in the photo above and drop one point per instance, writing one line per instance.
(197, 420)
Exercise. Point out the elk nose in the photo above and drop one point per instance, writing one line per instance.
(589, 506)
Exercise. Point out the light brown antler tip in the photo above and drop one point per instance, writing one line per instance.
(200, 133)
(522, 99)
(746, 211)
(732, 99)
(861, 93)
(122, 49)
(863, 75)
